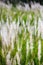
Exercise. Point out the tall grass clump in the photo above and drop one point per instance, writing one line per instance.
(21, 37)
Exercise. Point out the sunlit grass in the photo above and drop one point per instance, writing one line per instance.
(19, 37)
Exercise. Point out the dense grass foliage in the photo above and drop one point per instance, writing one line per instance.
(21, 38)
